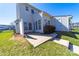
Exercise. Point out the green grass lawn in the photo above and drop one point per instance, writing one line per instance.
(73, 36)
(14, 48)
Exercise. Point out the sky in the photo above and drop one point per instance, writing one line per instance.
(8, 10)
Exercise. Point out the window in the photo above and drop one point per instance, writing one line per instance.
(48, 22)
(36, 25)
(27, 8)
(32, 11)
(39, 22)
(30, 26)
(25, 26)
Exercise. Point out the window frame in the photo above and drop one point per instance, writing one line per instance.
(48, 22)
(26, 8)
(30, 26)
(25, 26)
(32, 11)
(36, 25)
(39, 24)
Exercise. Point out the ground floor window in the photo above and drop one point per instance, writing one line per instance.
(48, 22)
(36, 24)
(30, 26)
(25, 26)
(39, 23)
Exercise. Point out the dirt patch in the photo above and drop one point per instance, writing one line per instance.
(18, 37)
(21, 41)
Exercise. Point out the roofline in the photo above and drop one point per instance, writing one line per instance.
(75, 23)
(36, 8)
(63, 16)
(31, 6)
(39, 9)
(47, 13)
(44, 11)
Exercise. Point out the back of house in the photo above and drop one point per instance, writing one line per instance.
(31, 19)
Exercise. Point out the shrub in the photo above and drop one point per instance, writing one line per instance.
(48, 29)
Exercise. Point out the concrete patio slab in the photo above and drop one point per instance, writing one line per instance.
(37, 39)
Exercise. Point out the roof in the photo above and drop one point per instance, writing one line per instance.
(35, 8)
(31, 6)
(63, 16)
(46, 12)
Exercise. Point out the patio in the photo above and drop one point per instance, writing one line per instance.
(37, 39)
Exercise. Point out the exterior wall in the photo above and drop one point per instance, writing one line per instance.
(28, 17)
(61, 23)
(47, 20)
(36, 17)
(17, 26)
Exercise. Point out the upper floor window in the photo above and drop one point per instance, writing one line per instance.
(27, 8)
(32, 11)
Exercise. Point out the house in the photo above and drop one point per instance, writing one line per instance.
(31, 19)
(5, 27)
(75, 25)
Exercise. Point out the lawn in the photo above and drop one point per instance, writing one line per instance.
(72, 36)
(10, 47)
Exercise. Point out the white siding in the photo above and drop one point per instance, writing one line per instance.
(17, 28)
(61, 22)
(28, 17)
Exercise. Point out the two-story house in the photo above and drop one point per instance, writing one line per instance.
(31, 19)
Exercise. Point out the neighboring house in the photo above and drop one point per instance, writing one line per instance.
(5, 27)
(75, 25)
(31, 19)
